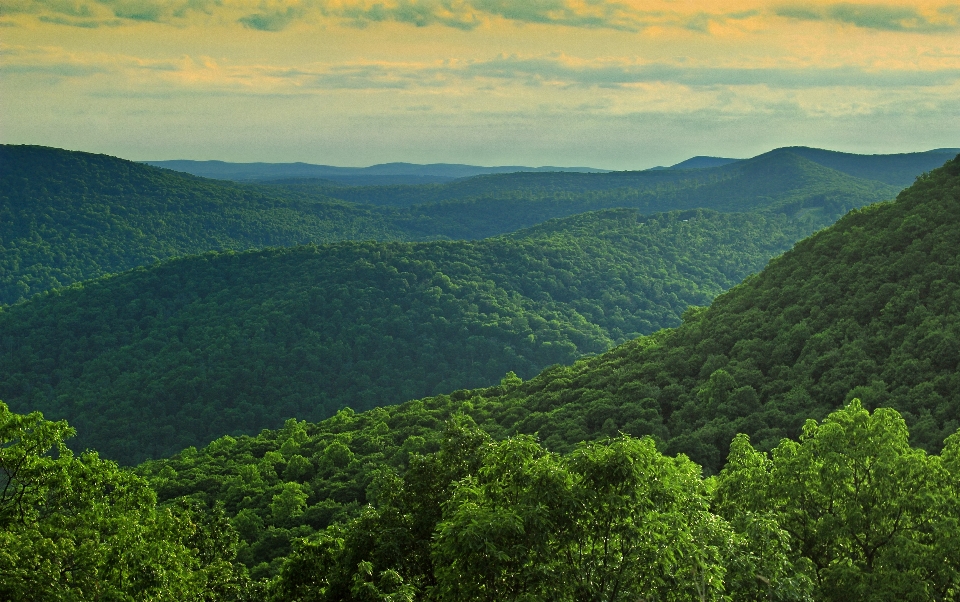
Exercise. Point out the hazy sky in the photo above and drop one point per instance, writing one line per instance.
(621, 85)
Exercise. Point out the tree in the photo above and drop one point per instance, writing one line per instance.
(614, 520)
(859, 504)
(80, 528)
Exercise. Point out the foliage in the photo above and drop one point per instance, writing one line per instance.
(70, 216)
(158, 359)
(868, 308)
(863, 510)
(79, 528)
(616, 520)
(353, 459)
(451, 496)
(698, 412)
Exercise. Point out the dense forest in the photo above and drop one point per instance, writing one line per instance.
(69, 216)
(151, 361)
(794, 342)
(797, 439)
(849, 512)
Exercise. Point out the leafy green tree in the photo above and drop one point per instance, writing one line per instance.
(80, 528)
(859, 504)
(384, 553)
(614, 520)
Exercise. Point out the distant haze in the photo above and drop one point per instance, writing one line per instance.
(387, 173)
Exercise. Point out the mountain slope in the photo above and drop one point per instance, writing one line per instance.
(896, 169)
(868, 308)
(156, 359)
(68, 216)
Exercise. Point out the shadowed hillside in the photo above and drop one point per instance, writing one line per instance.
(177, 354)
(68, 216)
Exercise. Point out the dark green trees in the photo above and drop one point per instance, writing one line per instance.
(149, 362)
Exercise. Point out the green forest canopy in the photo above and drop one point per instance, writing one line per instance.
(850, 511)
(888, 334)
(865, 309)
(151, 361)
(69, 216)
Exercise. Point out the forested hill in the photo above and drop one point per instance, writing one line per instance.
(867, 308)
(895, 169)
(68, 216)
(148, 362)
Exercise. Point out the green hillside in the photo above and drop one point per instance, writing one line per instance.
(69, 216)
(156, 359)
(869, 308)
(898, 169)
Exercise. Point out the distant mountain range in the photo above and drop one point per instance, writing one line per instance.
(381, 174)
(897, 169)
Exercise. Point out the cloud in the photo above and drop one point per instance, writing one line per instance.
(877, 16)
(83, 23)
(561, 70)
(276, 15)
(564, 79)
(272, 21)
(94, 13)
(469, 14)
(621, 15)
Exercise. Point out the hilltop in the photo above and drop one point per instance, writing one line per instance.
(895, 169)
(68, 216)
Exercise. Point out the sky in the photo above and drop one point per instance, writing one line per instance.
(628, 84)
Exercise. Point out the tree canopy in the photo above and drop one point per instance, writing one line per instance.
(161, 358)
